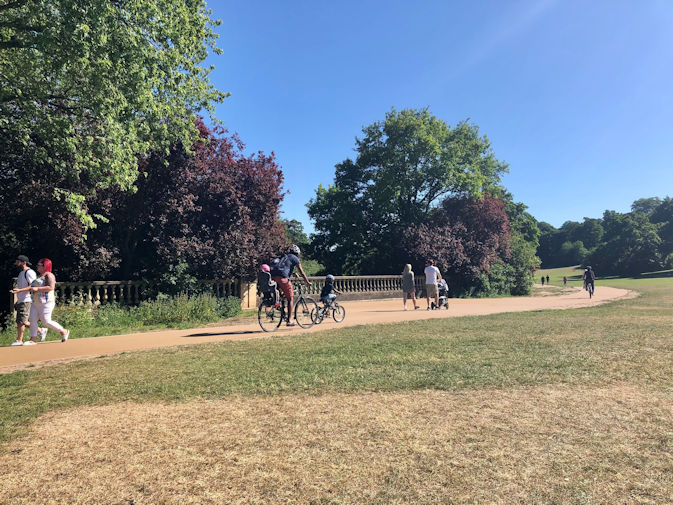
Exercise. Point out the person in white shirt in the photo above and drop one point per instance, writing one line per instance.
(432, 277)
(43, 303)
(23, 299)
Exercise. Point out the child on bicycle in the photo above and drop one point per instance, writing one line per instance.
(327, 295)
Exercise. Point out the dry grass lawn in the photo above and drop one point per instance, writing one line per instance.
(542, 445)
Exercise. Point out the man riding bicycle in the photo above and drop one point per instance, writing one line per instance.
(589, 277)
(282, 269)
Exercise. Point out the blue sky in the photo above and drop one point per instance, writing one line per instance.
(577, 96)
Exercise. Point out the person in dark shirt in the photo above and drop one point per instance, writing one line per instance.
(327, 295)
(589, 277)
(282, 270)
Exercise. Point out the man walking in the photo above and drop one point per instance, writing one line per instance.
(23, 301)
(432, 277)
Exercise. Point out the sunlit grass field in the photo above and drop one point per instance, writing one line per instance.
(549, 388)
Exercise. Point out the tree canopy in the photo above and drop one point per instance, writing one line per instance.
(213, 214)
(89, 86)
(618, 243)
(405, 166)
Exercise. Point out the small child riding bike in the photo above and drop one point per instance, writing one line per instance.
(329, 292)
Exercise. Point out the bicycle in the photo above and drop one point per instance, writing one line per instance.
(338, 312)
(270, 315)
(590, 288)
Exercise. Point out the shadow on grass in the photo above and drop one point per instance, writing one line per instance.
(655, 275)
(663, 274)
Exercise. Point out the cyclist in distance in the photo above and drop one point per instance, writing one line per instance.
(282, 269)
(589, 277)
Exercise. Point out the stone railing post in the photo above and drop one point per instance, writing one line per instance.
(248, 294)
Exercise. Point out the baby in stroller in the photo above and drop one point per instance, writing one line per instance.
(443, 289)
(266, 288)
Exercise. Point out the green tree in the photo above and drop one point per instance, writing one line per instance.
(522, 260)
(294, 232)
(88, 86)
(405, 166)
(632, 245)
(645, 205)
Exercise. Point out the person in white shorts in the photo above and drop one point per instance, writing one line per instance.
(44, 301)
(432, 277)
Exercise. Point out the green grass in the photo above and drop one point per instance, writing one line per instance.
(626, 341)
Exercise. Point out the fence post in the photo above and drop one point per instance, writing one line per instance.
(248, 294)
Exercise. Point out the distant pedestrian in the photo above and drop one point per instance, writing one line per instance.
(432, 277)
(44, 301)
(547, 279)
(408, 286)
(565, 280)
(542, 280)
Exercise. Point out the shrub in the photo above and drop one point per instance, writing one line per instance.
(228, 307)
(73, 316)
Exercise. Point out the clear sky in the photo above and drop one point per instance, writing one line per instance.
(576, 95)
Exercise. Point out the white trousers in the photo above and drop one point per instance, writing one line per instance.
(43, 312)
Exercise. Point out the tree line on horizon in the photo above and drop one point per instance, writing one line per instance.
(616, 244)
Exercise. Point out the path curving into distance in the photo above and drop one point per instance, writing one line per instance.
(357, 312)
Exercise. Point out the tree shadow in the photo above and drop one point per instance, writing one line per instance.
(654, 275)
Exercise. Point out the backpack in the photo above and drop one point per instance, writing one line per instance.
(279, 263)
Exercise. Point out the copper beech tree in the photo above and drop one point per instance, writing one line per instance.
(213, 213)
(464, 237)
(216, 212)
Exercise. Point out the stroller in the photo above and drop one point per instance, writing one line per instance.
(443, 288)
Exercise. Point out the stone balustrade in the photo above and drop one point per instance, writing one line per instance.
(94, 293)
(360, 287)
(354, 287)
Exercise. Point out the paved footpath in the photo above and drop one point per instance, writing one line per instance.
(357, 312)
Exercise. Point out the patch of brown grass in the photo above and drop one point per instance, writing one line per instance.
(551, 444)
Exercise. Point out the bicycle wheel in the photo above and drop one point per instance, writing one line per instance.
(591, 291)
(269, 316)
(302, 311)
(317, 316)
(338, 313)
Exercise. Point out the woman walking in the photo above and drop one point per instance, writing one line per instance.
(408, 286)
(44, 301)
